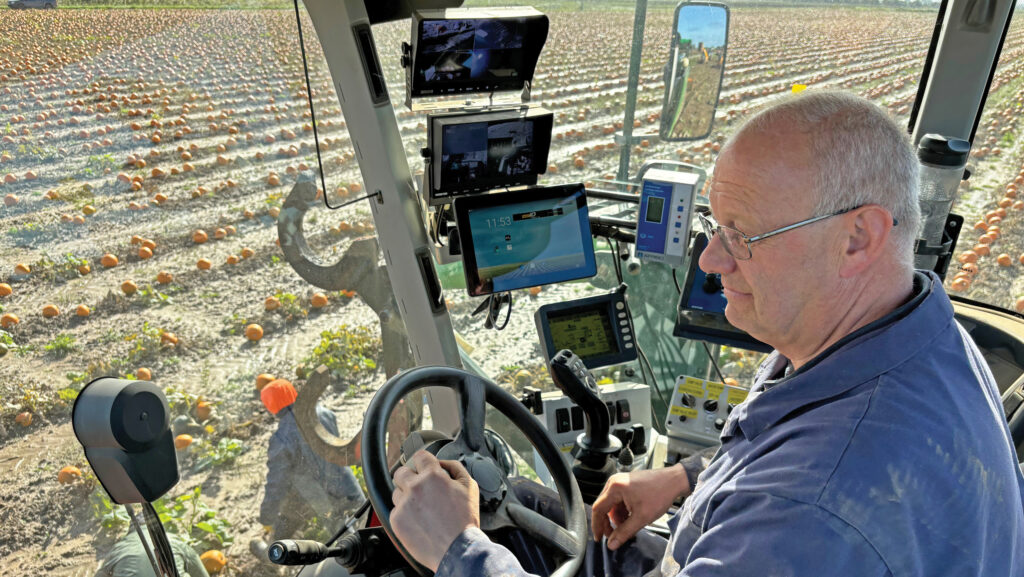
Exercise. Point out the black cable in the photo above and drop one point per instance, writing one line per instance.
(312, 113)
(643, 359)
(615, 258)
(713, 362)
(497, 311)
(676, 280)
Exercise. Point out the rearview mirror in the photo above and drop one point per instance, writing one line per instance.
(693, 74)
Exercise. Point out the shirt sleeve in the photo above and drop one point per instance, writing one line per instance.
(761, 534)
(472, 553)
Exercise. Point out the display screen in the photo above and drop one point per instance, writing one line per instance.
(587, 333)
(655, 208)
(525, 238)
(476, 54)
(488, 150)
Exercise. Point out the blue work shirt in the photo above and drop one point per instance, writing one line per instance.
(886, 455)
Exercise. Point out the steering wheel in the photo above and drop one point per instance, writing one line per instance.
(499, 507)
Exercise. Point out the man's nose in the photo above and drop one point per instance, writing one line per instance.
(715, 259)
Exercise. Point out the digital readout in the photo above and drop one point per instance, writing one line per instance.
(586, 333)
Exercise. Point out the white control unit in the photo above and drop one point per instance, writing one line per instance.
(698, 413)
(628, 404)
(663, 220)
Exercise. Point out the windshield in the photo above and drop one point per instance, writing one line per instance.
(146, 157)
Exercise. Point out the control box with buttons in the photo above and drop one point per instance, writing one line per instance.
(700, 409)
(628, 411)
(663, 220)
(597, 329)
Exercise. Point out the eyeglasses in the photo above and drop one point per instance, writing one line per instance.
(738, 244)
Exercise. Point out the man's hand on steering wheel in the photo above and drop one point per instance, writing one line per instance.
(435, 501)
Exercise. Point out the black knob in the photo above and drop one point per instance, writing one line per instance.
(711, 405)
(719, 424)
(689, 400)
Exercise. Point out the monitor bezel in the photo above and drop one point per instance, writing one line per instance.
(596, 303)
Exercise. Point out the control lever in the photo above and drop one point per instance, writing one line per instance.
(595, 449)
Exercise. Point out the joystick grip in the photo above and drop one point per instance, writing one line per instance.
(572, 378)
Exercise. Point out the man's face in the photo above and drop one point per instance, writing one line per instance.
(782, 293)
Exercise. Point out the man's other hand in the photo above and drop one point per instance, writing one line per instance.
(631, 501)
(435, 501)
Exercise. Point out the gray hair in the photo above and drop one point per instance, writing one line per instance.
(861, 157)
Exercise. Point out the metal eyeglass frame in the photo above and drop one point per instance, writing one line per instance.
(711, 228)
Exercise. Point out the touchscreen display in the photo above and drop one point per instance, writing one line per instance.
(515, 242)
(486, 150)
(587, 333)
(479, 54)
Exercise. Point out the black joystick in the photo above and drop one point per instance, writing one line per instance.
(595, 449)
(712, 283)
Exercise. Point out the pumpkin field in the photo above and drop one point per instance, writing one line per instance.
(144, 159)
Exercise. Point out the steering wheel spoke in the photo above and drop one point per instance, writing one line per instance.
(542, 528)
(472, 412)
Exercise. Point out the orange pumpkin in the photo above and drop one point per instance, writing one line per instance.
(263, 380)
(129, 288)
(23, 418)
(199, 237)
(84, 269)
(254, 332)
(50, 311)
(182, 441)
(144, 374)
(82, 311)
(272, 303)
(248, 252)
(319, 300)
(204, 264)
(203, 410)
(145, 253)
(22, 268)
(109, 260)
(1004, 260)
(164, 277)
(69, 475)
(233, 259)
(213, 561)
(5, 290)
(168, 338)
(9, 320)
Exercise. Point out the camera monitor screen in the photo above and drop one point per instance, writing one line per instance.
(701, 309)
(520, 239)
(485, 50)
(480, 152)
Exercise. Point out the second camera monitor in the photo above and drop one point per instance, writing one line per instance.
(489, 150)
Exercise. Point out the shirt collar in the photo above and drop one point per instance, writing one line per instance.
(856, 358)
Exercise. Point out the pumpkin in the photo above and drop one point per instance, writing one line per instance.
(69, 475)
(5, 290)
(233, 259)
(82, 311)
(84, 268)
(10, 200)
(220, 233)
(1004, 260)
(199, 237)
(23, 418)
(248, 252)
(272, 303)
(319, 300)
(144, 374)
(203, 410)
(254, 332)
(129, 287)
(213, 561)
(182, 441)
(145, 253)
(22, 268)
(204, 264)
(50, 311)
(148, 244)
(168, 338)
(263, 380)
(109, 260)
(9, 320)
(88, 210)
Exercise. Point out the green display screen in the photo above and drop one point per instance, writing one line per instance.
(586, 333)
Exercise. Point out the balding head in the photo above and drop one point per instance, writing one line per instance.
(857, 155)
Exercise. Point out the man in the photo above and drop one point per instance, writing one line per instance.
(300, 484)
(872, 442)
(128, 558)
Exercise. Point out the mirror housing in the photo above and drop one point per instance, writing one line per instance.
(694, 71)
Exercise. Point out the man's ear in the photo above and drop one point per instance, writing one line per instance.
(866, 235)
